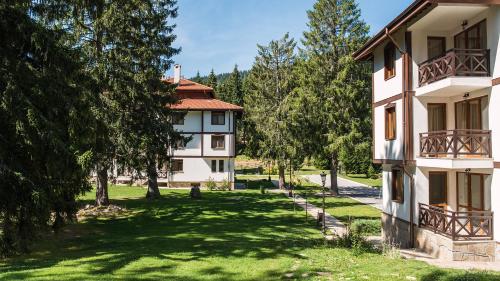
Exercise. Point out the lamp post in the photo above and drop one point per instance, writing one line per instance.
(323, 181)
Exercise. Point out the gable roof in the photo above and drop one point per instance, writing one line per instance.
(204, 104)
(196, 96)
(417, 7)
(188, 85)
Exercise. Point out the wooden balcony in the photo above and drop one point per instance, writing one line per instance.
(472, 225)
(455, 62)
(456, 143)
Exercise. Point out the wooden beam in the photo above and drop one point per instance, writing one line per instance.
(387, 100)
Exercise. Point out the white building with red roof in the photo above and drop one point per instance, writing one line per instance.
(210, 124)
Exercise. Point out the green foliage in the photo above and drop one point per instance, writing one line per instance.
(225, 185)
(211, 184)
(47, 129)
(334, 90)
(366, 227)
(372, 173)
(262, 189)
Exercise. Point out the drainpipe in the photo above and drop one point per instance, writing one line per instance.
(405, 163)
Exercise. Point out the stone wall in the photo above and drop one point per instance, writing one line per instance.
(441, 247)
(396, 231)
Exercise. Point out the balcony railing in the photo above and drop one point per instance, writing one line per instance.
(456, 225)
(455, 143)
(456, 62)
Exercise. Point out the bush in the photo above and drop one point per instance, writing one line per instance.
(211, 185)
(225, 185)
(366, 227)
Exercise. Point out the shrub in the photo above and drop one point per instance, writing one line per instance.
(211, 185)
(366, 227)
(225, 185)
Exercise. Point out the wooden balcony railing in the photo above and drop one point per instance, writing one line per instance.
(456, 62)
(456, 225)
(455, 143)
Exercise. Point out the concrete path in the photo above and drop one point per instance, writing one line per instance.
(334, 225)
(357, 191)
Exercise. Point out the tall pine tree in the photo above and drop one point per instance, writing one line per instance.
(127, 46)
(47, 131)
(337, 88)
(270, 85)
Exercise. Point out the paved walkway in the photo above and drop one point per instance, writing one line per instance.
(357, 191)
(334, 225)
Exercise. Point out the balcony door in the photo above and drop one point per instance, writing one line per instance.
(472, 38)
(470, 192)
(468, 114)
(470, 119)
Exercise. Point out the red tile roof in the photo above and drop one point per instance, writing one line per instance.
(195, 96)
(204, 104)
(188, 85)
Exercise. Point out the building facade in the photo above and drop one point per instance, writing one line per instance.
(436, 127)
(209, 125)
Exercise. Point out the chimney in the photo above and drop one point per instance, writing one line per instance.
(177, 73)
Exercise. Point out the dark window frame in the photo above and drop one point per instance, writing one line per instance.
(221, 166)
(389, 61)
(178, 165)
(390, 110)
(397, 186)
(441, 173)
(214, 142)
(178, 118)
(443, 44)
(215, 118)
(214, 166)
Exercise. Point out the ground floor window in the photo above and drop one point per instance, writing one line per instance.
(214, 166)
(397, 186)
(177, 165)
(221, 166)
(438, 185)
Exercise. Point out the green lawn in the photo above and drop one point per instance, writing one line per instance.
(361, 178)
(225, 236)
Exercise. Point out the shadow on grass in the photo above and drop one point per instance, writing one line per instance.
(176, 229)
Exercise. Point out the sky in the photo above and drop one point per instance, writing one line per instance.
(221, 33)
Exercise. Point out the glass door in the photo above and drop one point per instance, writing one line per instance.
(470, 189)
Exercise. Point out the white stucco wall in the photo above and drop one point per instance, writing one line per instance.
(200, 170)
(400, 210)
(192, 122)
(227, 127)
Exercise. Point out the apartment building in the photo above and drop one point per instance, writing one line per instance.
(436, 127)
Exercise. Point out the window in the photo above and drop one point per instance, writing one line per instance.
(221, 166)
(178, 118)
(436, 47)
(437, 188)
(218, 142)
(389, 61)
(397, 186)
(214, 166)
(218, 117)
(436, 117)
(177, 165)
(390, 122)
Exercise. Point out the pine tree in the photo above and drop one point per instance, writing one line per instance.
(234, 87)
(270, 84)
(212, 80)
(47, 131)
(197, 78)
(127, 45)
(336, 87)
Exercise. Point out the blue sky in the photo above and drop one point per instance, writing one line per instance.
(221, 33)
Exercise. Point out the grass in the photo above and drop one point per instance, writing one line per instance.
(361, 178)
(224, 236)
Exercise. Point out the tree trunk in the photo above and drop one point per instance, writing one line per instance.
(153, 190)
(281, 172)
(101, 193)
(334, 188)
